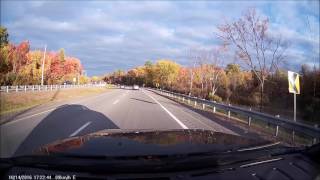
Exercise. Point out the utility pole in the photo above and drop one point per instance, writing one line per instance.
(44, 57)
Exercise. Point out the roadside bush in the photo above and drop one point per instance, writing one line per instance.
(214, 97)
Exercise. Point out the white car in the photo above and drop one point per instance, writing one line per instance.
(135, 87)
(122, 87)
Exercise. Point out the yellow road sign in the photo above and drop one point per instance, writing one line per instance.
(294, 83)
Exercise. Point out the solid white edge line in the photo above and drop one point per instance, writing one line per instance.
(260, 162)
(80, 129)
(258, 147)
(27, 117)
(173, 117)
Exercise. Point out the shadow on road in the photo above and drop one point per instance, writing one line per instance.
(11, 116)
(143, 100)
(63, 122)
(55, 95)
(225, 122)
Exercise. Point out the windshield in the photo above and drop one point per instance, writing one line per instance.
(95, 78)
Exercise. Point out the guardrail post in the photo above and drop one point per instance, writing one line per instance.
(16, 88)
(229, 113)
(195, 103)
(46, 88)
(64, 86)
(277, 131)
(314, 140)
(39, 88)
(203, 106)
(182, 99)
(25, 88)
(32, 87)
(51, 87)
(214, 107)
(249, 119)
(293, 136)
(7, 89)
(277, 127)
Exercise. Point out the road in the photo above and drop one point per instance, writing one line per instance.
(119, 108)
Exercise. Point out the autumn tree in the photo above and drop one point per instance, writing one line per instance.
(4, 36)
(182, 82)
(260, 51)
(20, 66)
(235, 79)
(149, 73)
(61, 55)
(206, 69)
(193, 57)
(166, 72)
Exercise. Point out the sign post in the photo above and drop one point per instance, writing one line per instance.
(294, 87)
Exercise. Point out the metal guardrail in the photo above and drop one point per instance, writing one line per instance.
(311, 131)
(25, 88)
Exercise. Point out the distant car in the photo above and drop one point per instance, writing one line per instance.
(122, 86)
(67, 83)
(135, 87)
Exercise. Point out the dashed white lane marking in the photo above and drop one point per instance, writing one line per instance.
(116, 101)
(80, 129)
(165, 109)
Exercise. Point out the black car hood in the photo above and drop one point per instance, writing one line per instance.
(148, 142)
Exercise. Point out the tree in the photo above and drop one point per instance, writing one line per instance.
(149, 73)
(207, 71)
(4, 36)
(166, 72)
(192, 55)
(61, 55)
(19, 65)
(260, 51)
(235, 78)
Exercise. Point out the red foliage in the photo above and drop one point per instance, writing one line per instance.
(18, 55)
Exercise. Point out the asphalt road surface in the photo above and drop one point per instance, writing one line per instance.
(119, 108)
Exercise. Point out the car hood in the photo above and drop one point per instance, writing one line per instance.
(148, 142)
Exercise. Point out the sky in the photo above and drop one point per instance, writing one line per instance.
(111, 35)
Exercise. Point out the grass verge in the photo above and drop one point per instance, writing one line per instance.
(15, 102)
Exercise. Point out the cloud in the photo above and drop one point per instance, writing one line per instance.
(121, 35)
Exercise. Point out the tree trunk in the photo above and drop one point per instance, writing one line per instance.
(261, 95)
(191, 83)
(202, 89)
